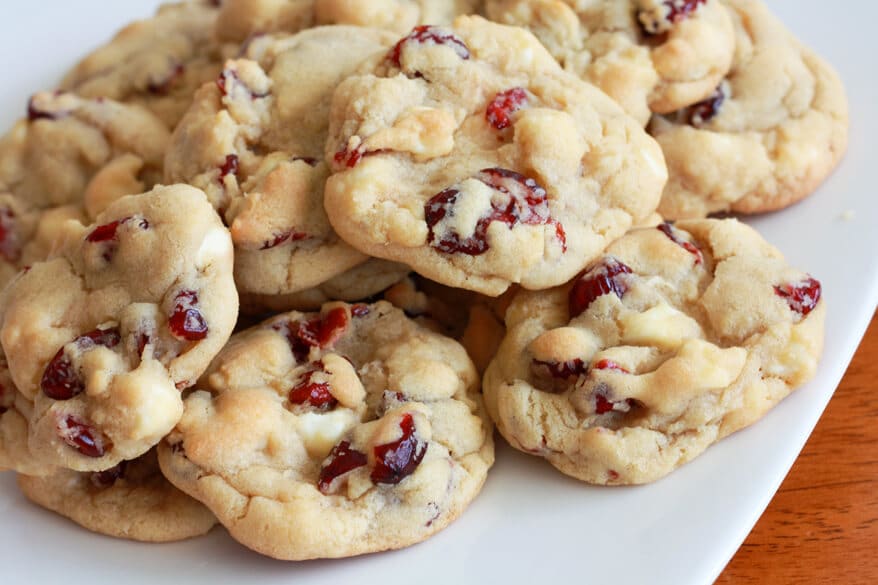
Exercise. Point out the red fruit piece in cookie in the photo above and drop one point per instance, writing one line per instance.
(187, 322)
(397, 460)
(316, 394)
(83, 437)
(428, 35)
(705, 110)
(602, 279)
(320, 332)
(60, 379)
(342, 459)
(801, 296)
(672, 233)
(500, 110)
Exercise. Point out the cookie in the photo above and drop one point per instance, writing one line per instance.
(124, 314)
(132, 500)
(399, 16)
(334, 434)
(648, 55)
(678, 336)
(157, 62)
(755, 146)
(471, 156)
(254, 142)
(241, 20)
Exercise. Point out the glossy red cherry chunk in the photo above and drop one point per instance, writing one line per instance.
(342, 459)
(316, 394)
(802, 296)
(165, 85)
(672, 233)
(60, 379)
(83, 437)
(425, 34)
(705, 110)
(10, 247)
(107, 234)
(187, 322)
(282, 238)
(397, 460)
(606, 364)
(527, 204)
(321, 331)
(603, 405)
(601, 279)
(500, 110)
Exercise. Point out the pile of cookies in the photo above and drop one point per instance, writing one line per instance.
(284, 264)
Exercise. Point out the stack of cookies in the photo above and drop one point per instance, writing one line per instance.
(284, 265)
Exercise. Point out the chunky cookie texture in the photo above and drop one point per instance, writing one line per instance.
(472, 157)
(754, 145)
(678, 336)
(333, 434)
(254, 142)
(131, 500)
(157, 63)
(648, 55)
(398, 16)
(124, 314)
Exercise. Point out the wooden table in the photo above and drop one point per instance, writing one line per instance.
(822, 526)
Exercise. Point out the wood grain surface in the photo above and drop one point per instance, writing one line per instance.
(822, 525)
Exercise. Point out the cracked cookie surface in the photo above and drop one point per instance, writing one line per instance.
(472, 157)
(648, 55)
(677, 337)
(350, 431)
(774, 142)
(124, 314)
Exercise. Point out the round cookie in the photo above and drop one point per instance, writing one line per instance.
(254, 142)
(472, 157)
(648, 55)
(755, 146)
(335, 434)
(677, 337)
(157, 62)
(132, 500)
(124, 314)
(241, 20)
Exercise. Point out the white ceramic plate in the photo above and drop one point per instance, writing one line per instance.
(531, 524)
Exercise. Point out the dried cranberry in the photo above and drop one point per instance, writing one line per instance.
(10, 247)
(397, 460)
(342, 459)
(677, 10)
(359, 310)
(321, 331)
(228, 80)
(106, 478)
(503, 105)
(803, 296)
(142, 340)
(34, 113)
(107, 233)
(603, 405)
(164, 86)
(599, 280)
(229, 167)
(669, 230)
(612, 474)
(424, 34)
(563, 370)
(351, 158)
(317, 394)
(187, 322)
(288, 236)
(527, 204)
(606, 364)
(60, 379)
(705, 110)
(83, 437)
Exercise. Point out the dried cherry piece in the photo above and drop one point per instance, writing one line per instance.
(677, 10)
(321, 331)
(606, 364)
(187, 322)
(229, 167)
(803, 296)
(10, 247)
(317, 394)
(668, 229)
(705, 110)
(528, 204)
(34, 113)
(600, 279)
(562, 370)
(287, 236)
(500, 110)
(83, 437)
(424, 34)
(106, 478)
(397, 460)
(164, 86)
(342, 459)
(60, 379)
(350, 158)
(603, 405)
(359, 310)
(107, 234)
